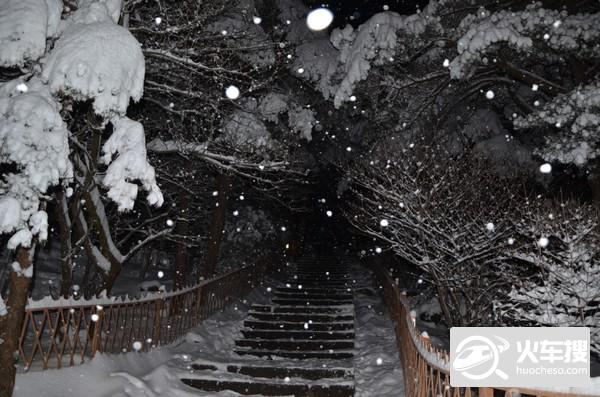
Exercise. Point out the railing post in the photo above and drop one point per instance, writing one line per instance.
(486, 392)
(197, 314)
(97, 334)
(157, 322)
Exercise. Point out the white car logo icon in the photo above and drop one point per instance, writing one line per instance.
(478, 357)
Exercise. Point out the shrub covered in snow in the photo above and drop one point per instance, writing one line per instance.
(561, 247)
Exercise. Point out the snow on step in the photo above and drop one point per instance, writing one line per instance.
(299, 345)
(328, 354)
(261, 371)
(300, 317)
(298, 335)
(274, 388)
(339, 309)
(284, 325)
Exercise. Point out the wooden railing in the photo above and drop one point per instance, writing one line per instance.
(67, 332)
(426, 367)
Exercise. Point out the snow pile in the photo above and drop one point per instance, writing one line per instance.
(90, 11)
(24, 27)
(292, 17)
(375, 42)
(302, 121)
(246, 131)
(576, 117)
(34, 138)
(245, 232)
(254, 46)
(129, 141)
(522, 30)
(318, 59)
(86, 63)
(272, 105)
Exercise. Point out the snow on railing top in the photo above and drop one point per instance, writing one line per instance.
(48, 302)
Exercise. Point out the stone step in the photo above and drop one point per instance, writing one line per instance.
(312, 290)
(319, 275)
(313, 296)
(298, 326)
(282, 372)
(310, 302)
(301, 318)
(297, 335)
(296, 345)
(299, 355)
(303, 309)
(328, 285)
(271, 388)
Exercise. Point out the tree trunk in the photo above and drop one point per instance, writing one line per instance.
(216, 229)
(181, 230)
(64, 231)
(594, 182)
(12, 322)
(94, 209)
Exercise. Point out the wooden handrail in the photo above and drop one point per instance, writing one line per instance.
(67, 332)
(425, 367)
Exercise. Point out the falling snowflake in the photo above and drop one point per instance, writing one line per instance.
(161, 274)
(158, 20)
(546, 168)
(137, 345)
(232, 92)
(22, 87)
(384, 223)
(319, 19)
(490, 227)
(329, 214)
(257, 20)
(543, 242)
(378, 250)
(170, 223)
(490, 94)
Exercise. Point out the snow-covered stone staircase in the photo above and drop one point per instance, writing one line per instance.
(302, 344)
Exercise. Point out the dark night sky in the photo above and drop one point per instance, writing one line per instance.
(357, 11)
